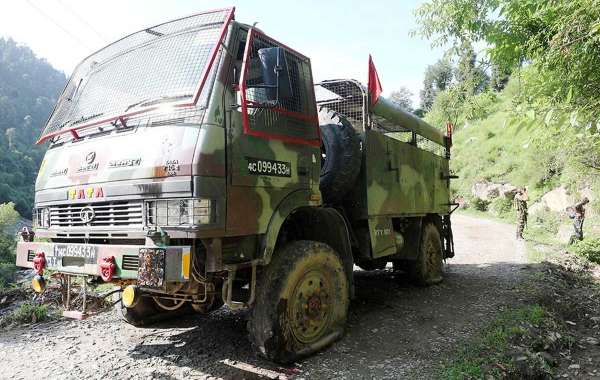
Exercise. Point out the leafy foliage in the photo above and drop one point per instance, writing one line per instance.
(561, 39)
(29, 87)
(403, 98)
(588, 248)
(437, 78)
(26, 313)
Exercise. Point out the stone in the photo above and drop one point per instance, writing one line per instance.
(487, 191)
(564, 233)
(593, 341)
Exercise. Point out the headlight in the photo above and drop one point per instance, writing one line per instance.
(179, 212)
(42, 217)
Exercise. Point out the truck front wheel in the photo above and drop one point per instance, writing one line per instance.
(428, 268)
(302, 302)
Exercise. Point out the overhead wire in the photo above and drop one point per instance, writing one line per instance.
(82, 20)
(57, 24)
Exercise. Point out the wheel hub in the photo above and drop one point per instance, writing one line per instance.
(309, 310)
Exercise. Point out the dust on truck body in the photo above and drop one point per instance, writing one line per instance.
(191, 165)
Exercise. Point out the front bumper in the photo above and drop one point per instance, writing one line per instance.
(85, 259)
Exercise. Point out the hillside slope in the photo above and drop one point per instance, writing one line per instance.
(29, 87)
(512, 144)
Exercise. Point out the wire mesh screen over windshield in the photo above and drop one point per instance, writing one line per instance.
(162, 64)
(292, 116)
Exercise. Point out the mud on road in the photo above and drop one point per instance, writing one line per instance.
(395, 330)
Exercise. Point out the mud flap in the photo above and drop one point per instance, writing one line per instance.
(447, 236)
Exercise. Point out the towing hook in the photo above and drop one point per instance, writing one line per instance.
(107, 268)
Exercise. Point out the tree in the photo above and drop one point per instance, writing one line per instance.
(29, 87)
(499, 77)
(560, 39)
(403, 98)
(471, 78)
(438, 77)
(8, 215)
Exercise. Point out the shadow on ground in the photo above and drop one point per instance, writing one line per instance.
(390, 323)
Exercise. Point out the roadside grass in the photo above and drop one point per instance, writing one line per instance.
(27, 312)
(7, 274)
(491, 354)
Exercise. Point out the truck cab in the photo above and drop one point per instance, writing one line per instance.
(190, 164)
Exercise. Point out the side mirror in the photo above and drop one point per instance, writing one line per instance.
(276, 78)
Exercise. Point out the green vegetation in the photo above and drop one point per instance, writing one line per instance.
(588, 248)
(525, 109)
(26, 313)
(490, 353)
(29, 88)
(8, 216)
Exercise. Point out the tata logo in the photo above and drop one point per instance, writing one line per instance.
(85, 193)
(87, 214)
(89, 163)
(90, 157)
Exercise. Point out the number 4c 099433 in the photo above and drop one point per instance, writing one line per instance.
(259, 166)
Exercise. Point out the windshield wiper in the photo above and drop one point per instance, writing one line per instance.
(163, 99)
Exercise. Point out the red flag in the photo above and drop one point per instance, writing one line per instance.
(374, 86)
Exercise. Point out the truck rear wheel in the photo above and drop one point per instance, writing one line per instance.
(147, 312)
(302, 302)
(139, 315)
(428, 268)
(340, 156)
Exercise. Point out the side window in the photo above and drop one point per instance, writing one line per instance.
(293, 118)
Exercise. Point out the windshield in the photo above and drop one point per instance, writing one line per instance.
(161, 64)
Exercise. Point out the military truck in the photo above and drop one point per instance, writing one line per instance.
(192, 165)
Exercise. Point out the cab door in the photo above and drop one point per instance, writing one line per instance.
(274, 146)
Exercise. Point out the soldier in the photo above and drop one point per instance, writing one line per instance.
(577, 213)
(520, 204)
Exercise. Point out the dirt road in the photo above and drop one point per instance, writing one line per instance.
(395, 330)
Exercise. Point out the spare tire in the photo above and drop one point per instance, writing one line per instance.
(340, 156)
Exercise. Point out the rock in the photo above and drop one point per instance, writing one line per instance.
(551, 360)
(487, 191)
(564, 233)
(557, 200)
(593, 341)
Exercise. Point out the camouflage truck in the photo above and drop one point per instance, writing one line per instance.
(192, 165)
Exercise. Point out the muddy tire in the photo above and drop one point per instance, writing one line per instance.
(428, 268)
(301, 304)
(142, 313)
(340, 156)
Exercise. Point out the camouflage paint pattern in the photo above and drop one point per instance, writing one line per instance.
(206, 153)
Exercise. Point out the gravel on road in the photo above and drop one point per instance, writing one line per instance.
(395, 330)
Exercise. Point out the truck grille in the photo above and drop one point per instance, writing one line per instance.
(105, 214)
(130, 262)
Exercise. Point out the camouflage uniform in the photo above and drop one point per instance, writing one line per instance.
(579, 217)
(520, 204)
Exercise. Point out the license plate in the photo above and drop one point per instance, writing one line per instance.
(151, 270)
(89, 253)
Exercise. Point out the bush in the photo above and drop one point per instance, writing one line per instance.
(588, 248)
(479, 204)
(501, 206)
(26, 313)
(7, 274)
(546, 220)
